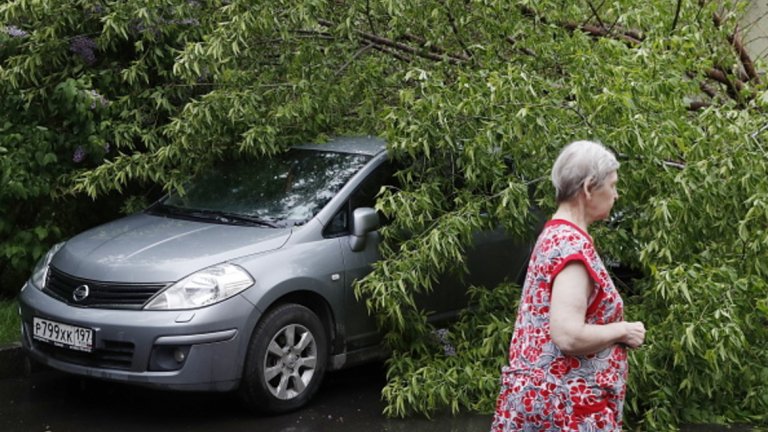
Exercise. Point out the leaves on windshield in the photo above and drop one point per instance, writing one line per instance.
(292, 186)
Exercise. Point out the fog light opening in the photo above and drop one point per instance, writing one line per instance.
(179, 354)
(168, 357)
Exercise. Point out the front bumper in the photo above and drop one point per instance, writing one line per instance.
(145, 347)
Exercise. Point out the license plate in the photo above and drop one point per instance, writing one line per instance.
(63, 335)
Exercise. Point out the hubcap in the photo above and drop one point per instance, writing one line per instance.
(290, 361)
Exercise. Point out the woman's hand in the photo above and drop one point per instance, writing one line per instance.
(634, 334)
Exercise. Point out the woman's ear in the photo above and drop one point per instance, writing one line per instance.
(586, 187)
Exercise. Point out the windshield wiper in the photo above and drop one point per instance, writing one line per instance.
(235, 217)
(160, 208)
(216, 215)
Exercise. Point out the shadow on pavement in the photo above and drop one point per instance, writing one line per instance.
(348, 401)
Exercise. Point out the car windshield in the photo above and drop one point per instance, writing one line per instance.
(287, 189)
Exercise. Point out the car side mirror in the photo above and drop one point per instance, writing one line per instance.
(364, 220)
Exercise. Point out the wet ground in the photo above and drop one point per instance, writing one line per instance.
(349, 401)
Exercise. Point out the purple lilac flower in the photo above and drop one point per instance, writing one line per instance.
(204, 75)
(79, 155)
(442, 335)
(97, 99)
(188, 21)
(14, 31)
(84, 47)
(139, 27)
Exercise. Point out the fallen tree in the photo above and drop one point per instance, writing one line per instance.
(125, 95)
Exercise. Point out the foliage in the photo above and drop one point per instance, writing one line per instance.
(472, 351)
(461, 90)
(9, 321)
(84, 83)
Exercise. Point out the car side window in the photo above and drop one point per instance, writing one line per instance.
(339, 225)
(363, 196)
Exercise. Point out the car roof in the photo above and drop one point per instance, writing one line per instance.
(364, 145)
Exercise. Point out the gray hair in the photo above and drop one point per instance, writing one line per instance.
(579, 163)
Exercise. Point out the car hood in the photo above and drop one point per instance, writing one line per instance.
(144, 248)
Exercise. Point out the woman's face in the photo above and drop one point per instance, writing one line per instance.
(603, 197)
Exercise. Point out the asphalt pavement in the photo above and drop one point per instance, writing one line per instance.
(34, 398)
(51, 401)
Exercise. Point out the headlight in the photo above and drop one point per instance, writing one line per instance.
(40, 273)
(203, 288)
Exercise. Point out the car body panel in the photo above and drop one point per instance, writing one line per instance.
(360, 327)
(148, 248)
(144, 329)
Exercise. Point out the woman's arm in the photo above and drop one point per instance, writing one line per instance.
(571, 291)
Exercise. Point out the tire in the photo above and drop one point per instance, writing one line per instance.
(286, 360)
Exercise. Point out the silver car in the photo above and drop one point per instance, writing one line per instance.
(242, 283)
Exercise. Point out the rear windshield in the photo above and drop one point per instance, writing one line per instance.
(289, 188)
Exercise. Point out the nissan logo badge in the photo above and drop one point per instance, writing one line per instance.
(80, 293)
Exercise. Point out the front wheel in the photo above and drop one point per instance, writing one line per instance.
(286, 360)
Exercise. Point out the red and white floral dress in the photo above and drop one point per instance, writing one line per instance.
(543, 389)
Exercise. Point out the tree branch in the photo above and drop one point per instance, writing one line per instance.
(677, 16)
(709, 91)
(393, 53)
(526, 51)
(601, 32)
(435, 49)
(455, 30)
(698, 105)
(382, 42)
(749, 66)
(736, 41)
(595, 13)
(733, 87)
(379, 40)
(313, 34)
(354, 56)
(633, 33)
(632, 37)
(580, 114)
(368, 14)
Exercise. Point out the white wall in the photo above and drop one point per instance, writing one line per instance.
(755, 24)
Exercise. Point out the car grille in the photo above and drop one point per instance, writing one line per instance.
(110, 295)
(112, 355)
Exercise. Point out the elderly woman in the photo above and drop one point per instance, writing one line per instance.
(567, 359)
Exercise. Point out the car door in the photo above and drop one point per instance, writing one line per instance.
(360, 327)
(493, 257)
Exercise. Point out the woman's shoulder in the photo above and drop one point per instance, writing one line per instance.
(560, 239)
(565, 230)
